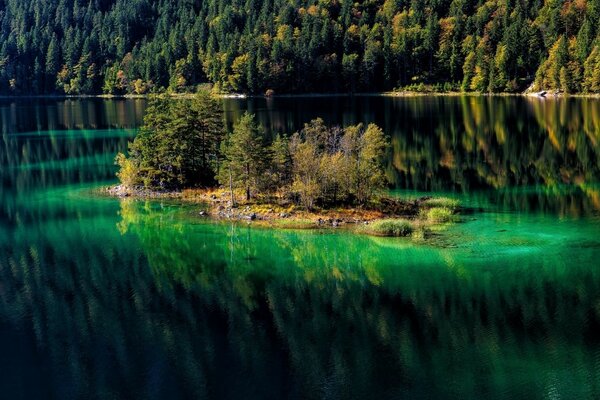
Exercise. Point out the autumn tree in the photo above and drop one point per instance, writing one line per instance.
(331, 165)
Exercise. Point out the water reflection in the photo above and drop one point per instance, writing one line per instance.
(174, 308)
(549, 147)
(101, 298)
(439, 143)
(40, 115)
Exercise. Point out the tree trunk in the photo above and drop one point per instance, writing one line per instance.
(247, 182)
(231, 188)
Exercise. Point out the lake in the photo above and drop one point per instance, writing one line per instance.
(103, 298)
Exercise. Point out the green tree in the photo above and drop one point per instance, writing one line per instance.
(591, 77)
(290, 46)
(52, 64)
(177, 146)
(549, 74)
(281, 162)
(364, 150)
(370, 174)
(244, 157)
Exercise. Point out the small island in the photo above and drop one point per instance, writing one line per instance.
(319, 177)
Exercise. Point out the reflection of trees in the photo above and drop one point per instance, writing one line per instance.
(46, 144)
(38, 115)
(338, 302)
(501, 143)
(498, 142)
(169, 307)
(55, 142)
(220, 309)
(465, 143)
(60, 157)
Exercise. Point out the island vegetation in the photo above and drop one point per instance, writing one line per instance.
(319, 175)
(114, 47)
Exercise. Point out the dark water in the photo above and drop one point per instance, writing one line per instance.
(116, 299)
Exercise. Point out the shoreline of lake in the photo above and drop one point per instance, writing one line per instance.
(392, 217)
(402, 94)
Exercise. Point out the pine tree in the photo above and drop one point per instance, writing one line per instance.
(244, 155)
(52, 63)
(281, 161)
(177, 146)
(591, 78)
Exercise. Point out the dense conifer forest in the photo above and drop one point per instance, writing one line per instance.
(291, 46)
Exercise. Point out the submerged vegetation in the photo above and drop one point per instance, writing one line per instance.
(144, 46)
(334, 175)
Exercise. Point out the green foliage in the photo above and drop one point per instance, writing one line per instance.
(445, 202)
(135, 46)
(306, 175)
(439, 215)
(389, 227)
(591, 77)
(245, 157)
(177, 146)
(281, 163)
(129, 171)
(334, 165)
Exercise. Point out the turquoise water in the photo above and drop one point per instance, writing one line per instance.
(106, 298)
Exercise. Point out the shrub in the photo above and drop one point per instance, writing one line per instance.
(128, 171)
(439, 214)
(443, 202)
(390, 227)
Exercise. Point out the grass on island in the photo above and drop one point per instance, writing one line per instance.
(445, 202)
(395, 227)
(440, 210)
(439, 215)
(295, 223)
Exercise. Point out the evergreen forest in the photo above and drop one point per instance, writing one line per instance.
(118, 47)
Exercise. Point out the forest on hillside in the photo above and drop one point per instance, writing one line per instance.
(294, 46)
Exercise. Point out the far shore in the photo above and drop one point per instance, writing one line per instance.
(549, 95)
(390, 217)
